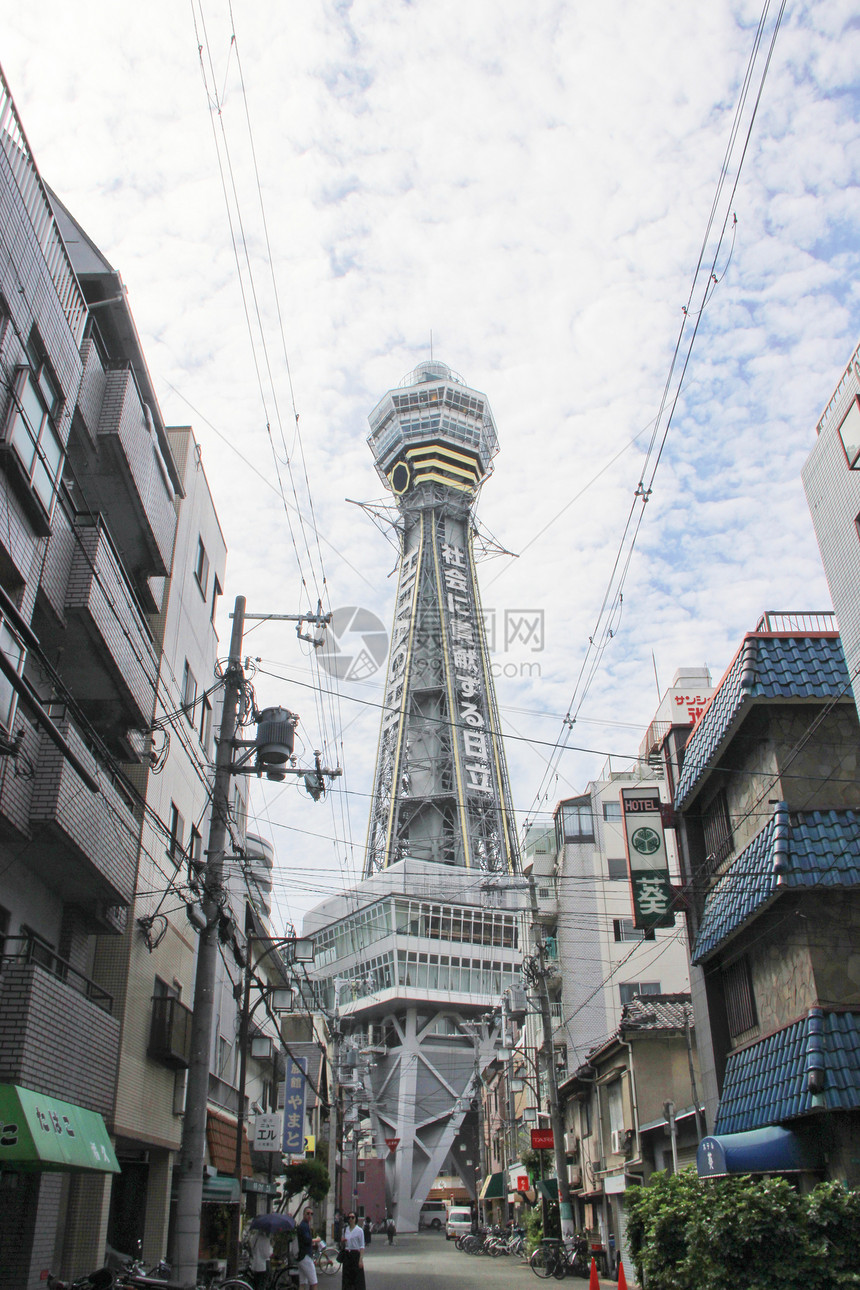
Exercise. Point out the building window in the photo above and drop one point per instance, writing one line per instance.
(624, 930)
(359, 1175)
(205, 721)
(738, 993)
(216, 592)
(585, 1128)
(30, 433)
(849, 431)
(617, 870)
(201, 568)
(195, 851)
(717, 830)
(189, 692)
(631, 989)
(574, 821)
(14, 651)
(612, 811)
(175, 847)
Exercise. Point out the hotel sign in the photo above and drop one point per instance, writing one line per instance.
(647, 859)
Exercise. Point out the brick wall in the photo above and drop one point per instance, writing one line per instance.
(54, 1040)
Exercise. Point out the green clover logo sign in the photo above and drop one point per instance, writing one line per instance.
(646, 841)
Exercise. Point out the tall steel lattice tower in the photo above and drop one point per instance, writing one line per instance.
(412, 962)
(441, 790)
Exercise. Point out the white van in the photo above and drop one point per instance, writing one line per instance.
(432, 1215)
(459, 1221)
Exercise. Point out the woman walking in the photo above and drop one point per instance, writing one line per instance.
(352, 1243)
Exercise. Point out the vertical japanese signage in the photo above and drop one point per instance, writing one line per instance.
(647, 861)
(465, 646)
(295, 1090)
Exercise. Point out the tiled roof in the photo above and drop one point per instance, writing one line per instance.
(767, 1082)
(823, 850)
(765, 667)
(656, 1012)
(221, 1141)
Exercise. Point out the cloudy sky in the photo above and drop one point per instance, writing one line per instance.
(322, 184)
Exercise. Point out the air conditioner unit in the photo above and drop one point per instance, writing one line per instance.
(619, 1142)
(571, 1144)
(574, 1176)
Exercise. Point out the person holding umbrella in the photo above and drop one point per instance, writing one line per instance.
(260, 1243)
(352, 1244)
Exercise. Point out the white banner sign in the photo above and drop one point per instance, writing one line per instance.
(267, 1132)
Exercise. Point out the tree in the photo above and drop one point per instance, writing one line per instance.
(306, 1178)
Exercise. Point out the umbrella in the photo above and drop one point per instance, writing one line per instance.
(273, 1223)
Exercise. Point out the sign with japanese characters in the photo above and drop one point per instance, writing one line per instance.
(41, 1132)
(647, 860)
(392, 1143)
(267, 1133)
(295, 1094)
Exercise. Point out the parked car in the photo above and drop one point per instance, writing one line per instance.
(459, 1221)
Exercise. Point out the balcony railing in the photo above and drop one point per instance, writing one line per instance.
(29, 949)
(775, 621)
(170, 1032)
(35, 201)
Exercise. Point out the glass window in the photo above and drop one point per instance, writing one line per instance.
(177, 834)
(574, 821)
(201, 568)
(740, 1001)
(30, 433)
(616, 869)
(850, 432)
(189, 692)
(631, 989)
(14, 651)
(205, 721)
(612, 811)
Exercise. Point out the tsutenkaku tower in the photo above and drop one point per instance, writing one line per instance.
(412, 963)
(441, 788)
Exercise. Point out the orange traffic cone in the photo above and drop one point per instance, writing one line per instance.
(593, 1283)
(622, 1280)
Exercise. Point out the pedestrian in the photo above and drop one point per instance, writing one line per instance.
(367, 1229)
(305, 1251)
(391, 1230)
(261, 1251)
(352, 1243)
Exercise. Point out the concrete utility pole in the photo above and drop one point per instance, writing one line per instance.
(539, 977)
(186, 1244)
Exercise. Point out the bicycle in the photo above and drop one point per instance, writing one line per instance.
(325, 1261)
(546, 1258)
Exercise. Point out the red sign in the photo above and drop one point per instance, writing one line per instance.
(392, 1143)
(542, 1140)
(522, 1182)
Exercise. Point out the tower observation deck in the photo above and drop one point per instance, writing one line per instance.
(441, 787)
(413, 960)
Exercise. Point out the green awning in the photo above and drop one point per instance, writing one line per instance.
(42, 1133)
(220, 1189)
(548, 1187)
(493, 1188)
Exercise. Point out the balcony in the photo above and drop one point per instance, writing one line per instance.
(58, 1034)
(126, 474)
(170, 1032)
(83, 845)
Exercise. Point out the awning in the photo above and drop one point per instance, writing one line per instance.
(220, 1190)
(42, 1133)
(760, 1151)
(548, 1187)
(493, 1187)
(221, 1141)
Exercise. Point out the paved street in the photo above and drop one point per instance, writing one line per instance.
(429, 1262)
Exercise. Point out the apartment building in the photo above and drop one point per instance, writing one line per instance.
(767, 810)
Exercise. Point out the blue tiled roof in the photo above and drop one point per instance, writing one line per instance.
(767, 1082)
(765, 667)
(823, 851)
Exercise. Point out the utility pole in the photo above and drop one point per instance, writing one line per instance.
(186, 1244)
(539, 979)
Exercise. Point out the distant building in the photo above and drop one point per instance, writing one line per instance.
(768, 811)
(630, 1109)
(602, 958)
(831, 478)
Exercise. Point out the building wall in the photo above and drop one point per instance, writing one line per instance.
(833, 496)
